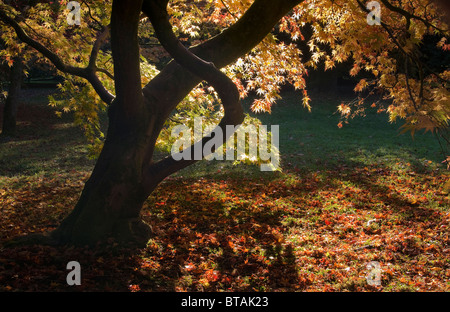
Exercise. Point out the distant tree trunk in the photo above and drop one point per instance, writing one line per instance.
(12, 101)
(126, 173)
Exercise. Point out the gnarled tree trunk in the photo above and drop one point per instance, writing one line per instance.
(125, 173)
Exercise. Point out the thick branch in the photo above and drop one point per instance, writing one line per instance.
(174, 82)
(224, 86)
(227, 90)
(125, 51)
(224, 48)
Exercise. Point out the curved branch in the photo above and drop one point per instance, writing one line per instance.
(174, 82)
(224, 86)
(87, 73)
(400, 47)
(105, 71)
(101, 37)
(55, 59)
(101, 27)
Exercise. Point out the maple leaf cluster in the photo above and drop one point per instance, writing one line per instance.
(387, 54)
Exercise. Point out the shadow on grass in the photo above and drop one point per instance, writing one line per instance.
(395, 200)
(43, 142)
(235, 232)
(247, 251)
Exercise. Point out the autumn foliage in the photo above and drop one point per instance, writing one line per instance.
(300, 230)
(386, 59)
(302, 233)
(297, 230)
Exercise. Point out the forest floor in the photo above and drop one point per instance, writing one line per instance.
(357, 208)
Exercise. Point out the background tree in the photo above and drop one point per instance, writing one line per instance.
(238, 39)
(12, 100)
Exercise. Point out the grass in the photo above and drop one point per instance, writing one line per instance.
(314, 141)
(311, 141)
(345, 197)
(45, 145)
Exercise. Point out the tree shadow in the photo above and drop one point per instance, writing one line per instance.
(43, 142)
(209, 235)
(369, 181)
(235, 236)
(212, 233)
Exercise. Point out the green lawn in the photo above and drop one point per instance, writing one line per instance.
(45, 145)
(311, 141)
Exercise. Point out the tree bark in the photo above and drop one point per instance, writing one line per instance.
(112, 198)
(12, 101)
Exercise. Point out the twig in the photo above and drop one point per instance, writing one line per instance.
(228, 10)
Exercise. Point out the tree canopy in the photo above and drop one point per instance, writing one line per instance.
(390, 52)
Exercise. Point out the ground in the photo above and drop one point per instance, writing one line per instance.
(345, 198)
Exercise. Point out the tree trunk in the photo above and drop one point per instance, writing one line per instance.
(125, 173)
(111, 201)
(12, 101)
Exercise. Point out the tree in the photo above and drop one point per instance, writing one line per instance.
(445, 5)
(12, 100)
(126, 172)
